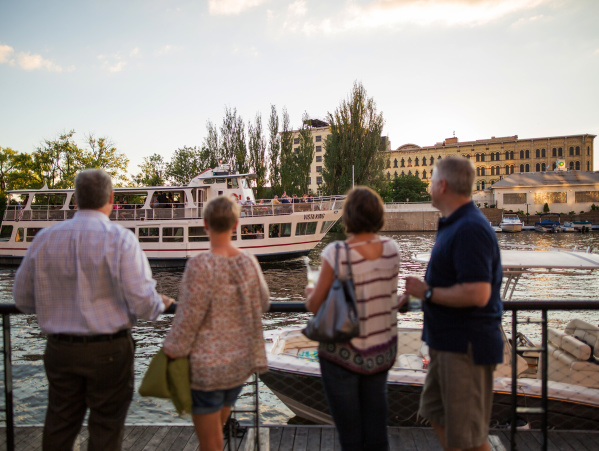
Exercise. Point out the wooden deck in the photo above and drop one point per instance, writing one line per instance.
(305, 438)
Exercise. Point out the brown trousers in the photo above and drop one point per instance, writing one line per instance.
(98, 376)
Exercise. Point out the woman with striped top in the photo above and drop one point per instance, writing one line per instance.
(354, 373)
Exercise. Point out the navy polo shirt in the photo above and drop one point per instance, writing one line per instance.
(465, 250)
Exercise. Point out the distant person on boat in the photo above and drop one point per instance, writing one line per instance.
(88, 280)
(354, 374)
(219, 323)
(462, 312)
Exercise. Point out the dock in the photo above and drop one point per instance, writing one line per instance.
(304, 438)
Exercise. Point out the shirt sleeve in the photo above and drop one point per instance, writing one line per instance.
(137, 285)
(23, 288)
(191, 310)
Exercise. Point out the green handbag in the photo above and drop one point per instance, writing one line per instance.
(168, 378)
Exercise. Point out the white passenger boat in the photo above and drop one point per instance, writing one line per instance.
(168, 220)
(573, 382)
(510, 223)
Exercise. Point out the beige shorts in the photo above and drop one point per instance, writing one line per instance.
(458, 395)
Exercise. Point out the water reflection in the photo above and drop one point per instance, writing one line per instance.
(286, 281)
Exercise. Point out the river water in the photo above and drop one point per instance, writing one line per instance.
(286, 281)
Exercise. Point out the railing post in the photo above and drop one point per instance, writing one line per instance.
(8, 400)
(544, 369)
(514, 356)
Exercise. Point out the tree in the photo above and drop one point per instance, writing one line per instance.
(103, 154)
(56, 162)
(406, 188)
(355, 140)
(287, 160)
(257, 151)
(152, 171)
(274, 145)
(304, 155)
(185, 164)
(233, 147)
(8, 162)
(211, 151)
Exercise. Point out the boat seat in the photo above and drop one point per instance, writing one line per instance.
(571, 354)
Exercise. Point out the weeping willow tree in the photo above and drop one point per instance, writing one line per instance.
(356, 141)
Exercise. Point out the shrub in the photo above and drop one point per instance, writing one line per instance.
(572, 212)
(546, 208)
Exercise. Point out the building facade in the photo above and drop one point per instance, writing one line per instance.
(496, 158)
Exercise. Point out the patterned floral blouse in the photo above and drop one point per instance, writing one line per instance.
(218, 323)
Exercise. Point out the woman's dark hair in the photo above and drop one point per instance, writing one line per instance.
(363, 211)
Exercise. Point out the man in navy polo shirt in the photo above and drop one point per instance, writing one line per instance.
(462, 312)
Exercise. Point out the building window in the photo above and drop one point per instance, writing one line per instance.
(511, 169)
(521, 168)
(319, 180)
(318, 168)
(296, 150)
(507, 155)
(492, 169)
(507, 169)
(538, 166)
(522, 155)
(514, 198)
(318, 158)
(309, 180)
(482, 171)
(550, 198)
(417, 174)
(318, 148)
(403, 163)
(578, 165)
(424, 161)
(477, 157)
(543, 155)
(295, 140)
(409, 162)
(538, 153)
(318, 138)
(577, 150)
(543, 167)
(559, 152)
(527, 168)
(482, 184)
(588, 166)
(554, 152)
(388, 164)
(482, 157)
(586, 196)
(424, 174)
(395, 175)
(395, 163)
(571, 151)
(432, 161)
(477, 186)
(492, 156)
(511, 155)
(527, 152)
(416, 162)
(478, 172)
(388, 176)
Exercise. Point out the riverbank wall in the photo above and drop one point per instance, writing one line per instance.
(424, 217)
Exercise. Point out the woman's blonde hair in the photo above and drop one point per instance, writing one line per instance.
(363, 211)
(221, 214)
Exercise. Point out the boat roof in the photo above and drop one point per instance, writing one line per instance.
(557, 259)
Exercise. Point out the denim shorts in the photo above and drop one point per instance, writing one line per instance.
(204, 402)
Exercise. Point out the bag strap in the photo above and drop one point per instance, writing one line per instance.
(336, 260)
(349, 271)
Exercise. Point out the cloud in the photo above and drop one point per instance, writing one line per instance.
(113, 64)
(397, 13)
(134, 52)
(26, 60)
(5, 53)
(231, 7)
(165, 49)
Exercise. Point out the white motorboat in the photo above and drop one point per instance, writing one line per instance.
(510, 223)
(568, 227)
(294, 373)
(168, 220)
(546, 225)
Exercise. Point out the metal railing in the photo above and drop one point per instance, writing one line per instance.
(542, 403)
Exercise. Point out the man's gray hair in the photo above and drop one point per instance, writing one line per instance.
(458, 172)
(92, 189)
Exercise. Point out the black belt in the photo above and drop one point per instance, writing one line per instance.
(89, 338)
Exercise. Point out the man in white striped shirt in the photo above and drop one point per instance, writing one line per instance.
(88, 281)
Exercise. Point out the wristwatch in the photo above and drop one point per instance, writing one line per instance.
(428, 294)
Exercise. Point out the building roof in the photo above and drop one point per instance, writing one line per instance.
(557, 178)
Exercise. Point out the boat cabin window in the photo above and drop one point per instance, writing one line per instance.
(6, 232)
(326, 226)
(168, 199)
(48, 201)
(20, 235)
(252, 231)
(172, 234)
(148, 234)
(306, 228)
(208, 181)
(198, 234)
(130, 201)
(279, 230)
(31, 232)
(18, 200)
(232, 183)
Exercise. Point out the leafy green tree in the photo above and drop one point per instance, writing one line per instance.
(257, 151)
(406, 188)
(304, 155)
(185, 164)
(8, 163)
(355, 140)
(274, 150)
(103, 154)
(152, 172)
(57, 161)
(233, 144)
(211, 151)
(287, 157)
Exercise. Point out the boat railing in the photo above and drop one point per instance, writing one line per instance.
(565, 362)
(174, 211)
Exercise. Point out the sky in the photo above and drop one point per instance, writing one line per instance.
(150, 74)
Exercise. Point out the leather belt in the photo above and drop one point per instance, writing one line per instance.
(89, 338)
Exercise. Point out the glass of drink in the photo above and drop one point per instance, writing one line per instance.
(313, 272)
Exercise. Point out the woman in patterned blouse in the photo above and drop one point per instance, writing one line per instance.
(219, 323)
(354, 373)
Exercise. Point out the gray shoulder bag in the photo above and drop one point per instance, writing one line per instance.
(337, 318)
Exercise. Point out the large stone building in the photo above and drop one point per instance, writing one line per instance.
(496, 158)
